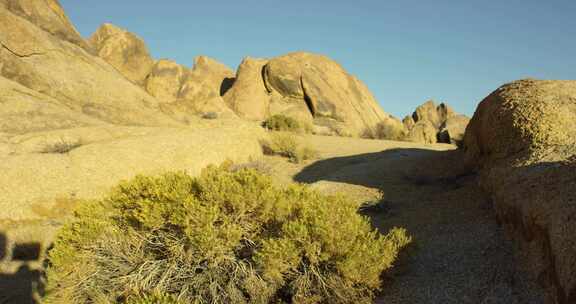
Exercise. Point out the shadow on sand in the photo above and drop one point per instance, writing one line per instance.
(25, 285)
(400, 165)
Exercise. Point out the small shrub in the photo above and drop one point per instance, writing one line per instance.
(384, 131)
(259, 165)
(223, 237)
(154, 298)
(280, 122)
(288, 145)
(210, 115)
(61, 146)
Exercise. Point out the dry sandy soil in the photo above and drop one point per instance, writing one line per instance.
(459, 254)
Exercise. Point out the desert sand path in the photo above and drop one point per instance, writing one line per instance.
(460, 254)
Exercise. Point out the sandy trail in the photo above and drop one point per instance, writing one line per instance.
(459, 255)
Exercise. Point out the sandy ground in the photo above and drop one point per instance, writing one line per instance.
(459, 254)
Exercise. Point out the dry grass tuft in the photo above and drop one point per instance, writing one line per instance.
(288, 145)
(61, 146)
(385, 131)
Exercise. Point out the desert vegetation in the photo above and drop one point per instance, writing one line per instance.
(285, 123)
(61, 146)
(222, 237)
(385, 131)
(288, 145)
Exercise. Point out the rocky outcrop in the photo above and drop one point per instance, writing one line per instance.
(165, 80)
(200, 90)
(431, 123)
(522, 139)
(23, 111)
(124, 51)
(309, 87)
(194, 91)
(453, 129)
(67, 73)
(97, 158)
(435, 114)
(248, 96)
(423, 132)
(49, 16)
(217, 75)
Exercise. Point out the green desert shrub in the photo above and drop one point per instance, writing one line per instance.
(222, 237)
(154, 298)
(385, 131)
(281, 122)
(288, 145)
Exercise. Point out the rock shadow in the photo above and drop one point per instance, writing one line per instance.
(226, 85)
(413, 165)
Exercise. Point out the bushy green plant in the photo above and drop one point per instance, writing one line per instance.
(154, 298)
(385, 131)
(281, 122)
(223, 237)
(288, 145)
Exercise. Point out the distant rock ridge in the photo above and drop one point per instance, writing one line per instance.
(123, 84)
(431, 123)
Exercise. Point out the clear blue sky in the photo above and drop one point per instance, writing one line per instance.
(406, 51)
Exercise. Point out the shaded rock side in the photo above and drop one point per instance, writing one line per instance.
(124, 51)
(453, 129)
(423, 132)
(49, 16)
(522, 139)
(78, 80)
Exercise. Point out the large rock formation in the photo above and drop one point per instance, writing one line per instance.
(431, 123)
(23, 110)
(309, 87)
(202, 87)
(165, 80)
(123, 50)
(248, 96)
(522, 139)
(423, 132)
(195, 91)
(217, 75)
(452, 129)
(435, 114)
(49, 16)
(78, 80)
(71, 125)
